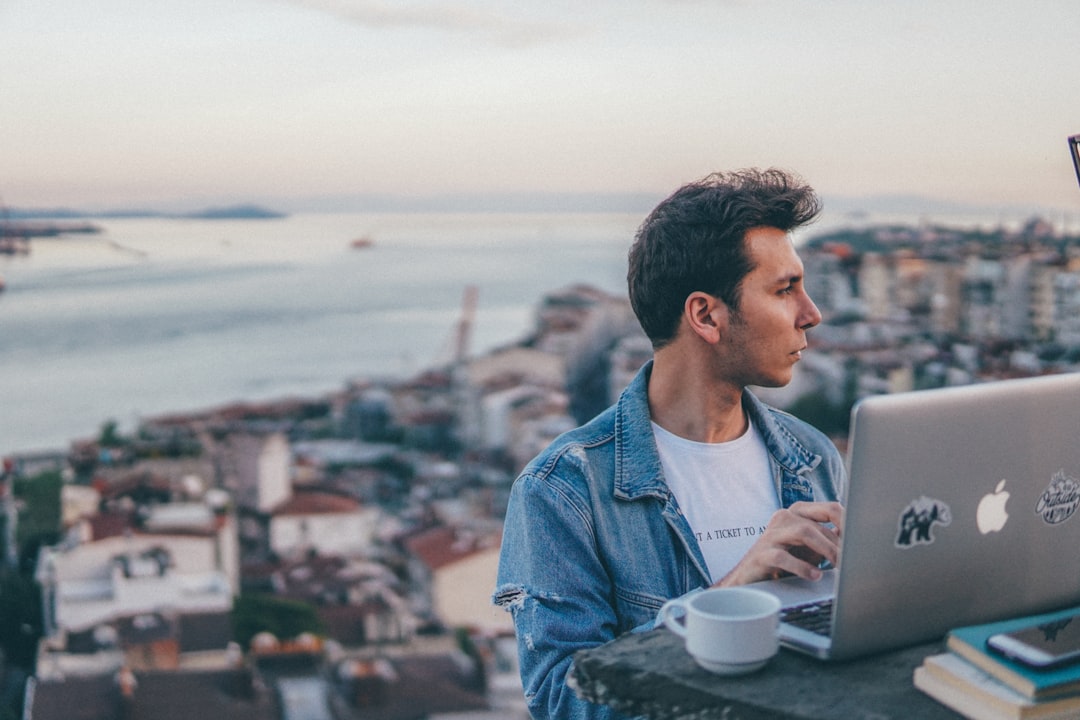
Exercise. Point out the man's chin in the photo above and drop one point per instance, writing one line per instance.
(774, 382)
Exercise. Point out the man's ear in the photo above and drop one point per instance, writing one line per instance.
(706, 316)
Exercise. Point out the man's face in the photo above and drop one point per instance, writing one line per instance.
(766, 335)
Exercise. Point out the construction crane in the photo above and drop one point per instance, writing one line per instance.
(463, 336)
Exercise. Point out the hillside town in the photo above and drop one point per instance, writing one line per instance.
(334, 557)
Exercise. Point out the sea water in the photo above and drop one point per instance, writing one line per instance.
(160, 315)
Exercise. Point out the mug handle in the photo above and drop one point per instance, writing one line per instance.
(671, 622)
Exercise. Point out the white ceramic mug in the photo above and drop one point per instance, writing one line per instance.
(730, 631)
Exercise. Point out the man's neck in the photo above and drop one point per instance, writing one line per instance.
(686, 401)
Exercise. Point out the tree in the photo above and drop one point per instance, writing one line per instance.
(110, 435)
(20, 619)
(39, 518)
(253, 614)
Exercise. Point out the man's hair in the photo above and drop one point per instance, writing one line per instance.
(695, 241)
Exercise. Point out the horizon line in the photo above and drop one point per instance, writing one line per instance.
(515, 202)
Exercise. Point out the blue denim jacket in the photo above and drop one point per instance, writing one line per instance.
(594, 542)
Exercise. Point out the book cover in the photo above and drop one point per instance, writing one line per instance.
(970, 643)
(976, 694)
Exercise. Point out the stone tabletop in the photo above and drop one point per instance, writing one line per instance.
(651, 674)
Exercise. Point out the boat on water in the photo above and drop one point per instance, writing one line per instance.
(361, 242)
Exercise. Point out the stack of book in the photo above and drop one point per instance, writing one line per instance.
(983, 685)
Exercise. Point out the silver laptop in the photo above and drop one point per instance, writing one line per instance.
(960, 510)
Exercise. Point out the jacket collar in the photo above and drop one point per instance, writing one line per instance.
(783, 446)
(638, 472)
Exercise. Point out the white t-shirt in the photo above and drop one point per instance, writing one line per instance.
(725, 490)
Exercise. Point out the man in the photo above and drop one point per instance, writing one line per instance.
(688, 481)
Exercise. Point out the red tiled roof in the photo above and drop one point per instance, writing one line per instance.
(116, 524)
(308, 502)
(107, 525)
(442, 546)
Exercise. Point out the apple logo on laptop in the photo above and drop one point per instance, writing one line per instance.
(990, 516)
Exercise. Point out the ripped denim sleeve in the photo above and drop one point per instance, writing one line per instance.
(515, 599)
(510, 597)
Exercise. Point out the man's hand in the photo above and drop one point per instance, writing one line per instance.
(796, 540)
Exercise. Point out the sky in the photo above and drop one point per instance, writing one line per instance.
(308, 104)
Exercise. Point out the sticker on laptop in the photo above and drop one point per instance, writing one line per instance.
(1060, 499)
(916, 523)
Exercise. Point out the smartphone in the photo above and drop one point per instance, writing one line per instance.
(1047, 645)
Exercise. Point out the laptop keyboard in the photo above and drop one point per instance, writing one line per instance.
(813, 616)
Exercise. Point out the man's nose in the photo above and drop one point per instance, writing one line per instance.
(811, 316)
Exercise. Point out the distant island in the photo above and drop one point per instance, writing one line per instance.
(17, 227)
(225, 212)
(236, 212)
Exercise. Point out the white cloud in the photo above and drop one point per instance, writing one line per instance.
(459, 18)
